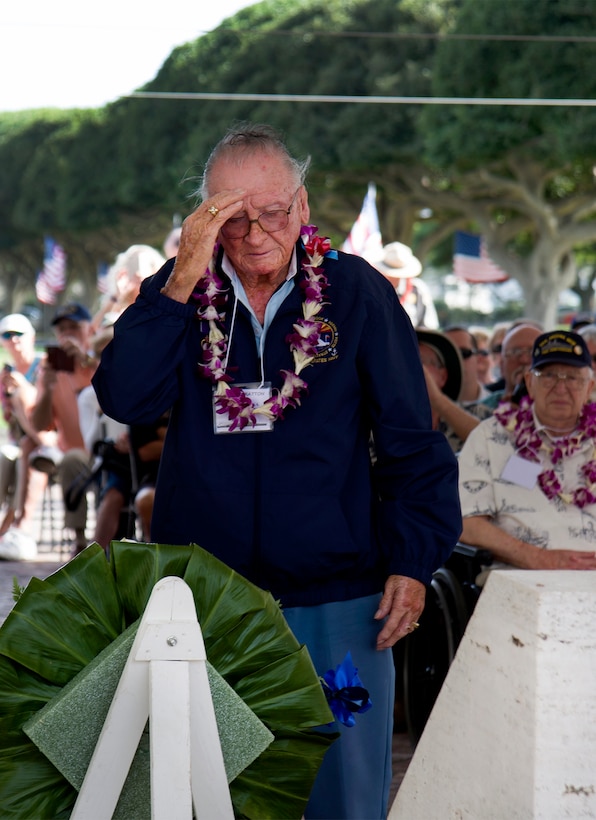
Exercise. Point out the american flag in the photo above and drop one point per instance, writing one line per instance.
(471, 261)
(51, 280)
(365, 237)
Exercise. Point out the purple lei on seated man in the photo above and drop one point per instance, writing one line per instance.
(528, 443)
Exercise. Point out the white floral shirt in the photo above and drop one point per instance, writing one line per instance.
(525, 513)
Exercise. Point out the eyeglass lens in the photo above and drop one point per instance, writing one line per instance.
(269, 221)
(551, 379)
(8, 334)
(516, 352)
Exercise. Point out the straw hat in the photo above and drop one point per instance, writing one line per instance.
(397, 261)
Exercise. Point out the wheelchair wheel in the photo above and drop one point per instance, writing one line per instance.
(429, 651)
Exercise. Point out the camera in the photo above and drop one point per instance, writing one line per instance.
(58, 359)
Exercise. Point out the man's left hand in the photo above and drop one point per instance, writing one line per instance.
(402, 604)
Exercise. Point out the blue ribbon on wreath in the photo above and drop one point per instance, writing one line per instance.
(345, 693)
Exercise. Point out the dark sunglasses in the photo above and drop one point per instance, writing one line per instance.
(466, 352)
(481, 352)
(8, 334)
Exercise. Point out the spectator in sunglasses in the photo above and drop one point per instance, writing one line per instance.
(442, 365)
(56, 408)
(495, 347)
(21, 488)
(483, 360)
(472, 391)
(516, 359)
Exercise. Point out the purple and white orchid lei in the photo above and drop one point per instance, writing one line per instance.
(528, 443)
(303, 341)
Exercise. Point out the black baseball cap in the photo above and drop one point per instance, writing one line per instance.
(73, 311)
(582, 319)
(560, 347)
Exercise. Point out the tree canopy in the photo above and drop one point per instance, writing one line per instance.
(100, 180)
(522, 175)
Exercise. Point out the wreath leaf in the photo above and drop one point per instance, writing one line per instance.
(59, 625)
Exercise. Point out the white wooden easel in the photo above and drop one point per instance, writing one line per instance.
(165, 680)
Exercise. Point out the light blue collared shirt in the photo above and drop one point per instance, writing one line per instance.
(272, 305)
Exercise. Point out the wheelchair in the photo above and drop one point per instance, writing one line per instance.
(108, 460)
(424, 657)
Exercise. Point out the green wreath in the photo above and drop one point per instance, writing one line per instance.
(58, 626)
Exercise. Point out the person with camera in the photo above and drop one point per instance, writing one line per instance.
(20, 490)
(64, 373)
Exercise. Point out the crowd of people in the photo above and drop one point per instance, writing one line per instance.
(56, 430)
(515, 404)
(525, 446)
(277, 365)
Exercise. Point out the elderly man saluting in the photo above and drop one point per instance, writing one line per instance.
(528, 475)
(275, 478)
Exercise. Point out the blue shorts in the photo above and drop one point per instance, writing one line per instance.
(115, 481)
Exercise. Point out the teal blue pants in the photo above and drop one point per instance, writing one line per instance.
(354, 780)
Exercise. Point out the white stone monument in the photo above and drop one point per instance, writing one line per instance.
(512, 735)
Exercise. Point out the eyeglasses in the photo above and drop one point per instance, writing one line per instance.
(482, 352)
(496, 349)
(269, 221)
(8, 334)
(550, 379)
(467, 353)
(516, 352)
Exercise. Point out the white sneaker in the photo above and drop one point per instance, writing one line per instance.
(17, 546)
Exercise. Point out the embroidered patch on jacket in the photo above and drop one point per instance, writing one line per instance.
(327, 344)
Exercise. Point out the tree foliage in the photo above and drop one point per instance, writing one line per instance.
(546, 68)
(520, 175)
(83, 175)
(101, 180)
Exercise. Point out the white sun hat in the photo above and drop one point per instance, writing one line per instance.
(397, 261)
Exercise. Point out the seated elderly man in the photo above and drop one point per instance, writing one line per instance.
(516, 358)
(528, 474)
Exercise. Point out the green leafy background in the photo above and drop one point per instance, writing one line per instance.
(60, 624)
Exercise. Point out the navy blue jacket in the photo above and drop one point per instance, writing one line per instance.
(299, 510)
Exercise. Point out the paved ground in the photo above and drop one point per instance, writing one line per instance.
(53, 550)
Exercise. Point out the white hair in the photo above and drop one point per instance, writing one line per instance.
(140, 260)
(588, 332)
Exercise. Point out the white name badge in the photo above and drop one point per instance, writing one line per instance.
(258, 394)
(522, 472)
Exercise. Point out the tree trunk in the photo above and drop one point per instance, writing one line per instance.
(547, 273)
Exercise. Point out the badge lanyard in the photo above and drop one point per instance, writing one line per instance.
(257, 392)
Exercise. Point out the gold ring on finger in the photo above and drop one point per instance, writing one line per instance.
(213, 210)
